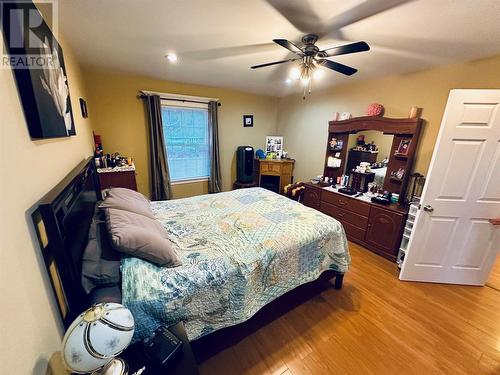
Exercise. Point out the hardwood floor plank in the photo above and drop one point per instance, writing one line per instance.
(376, 324)
(494, 279)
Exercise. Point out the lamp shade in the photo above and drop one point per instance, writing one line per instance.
(97, 336)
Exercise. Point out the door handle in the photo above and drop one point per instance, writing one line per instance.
(428, 208)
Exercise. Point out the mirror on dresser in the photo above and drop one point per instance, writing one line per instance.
(391, 153)
(368, 146)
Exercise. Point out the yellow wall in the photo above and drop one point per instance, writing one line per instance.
(304, 123)
(120, 118)
(30, 324)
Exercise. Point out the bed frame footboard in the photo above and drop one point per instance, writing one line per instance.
(215, 342)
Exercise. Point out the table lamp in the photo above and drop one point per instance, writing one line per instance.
(96, 337)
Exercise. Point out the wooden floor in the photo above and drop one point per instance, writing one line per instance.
(375, 324)
(494, 279)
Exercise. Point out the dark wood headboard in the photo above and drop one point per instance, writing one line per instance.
(62, 222)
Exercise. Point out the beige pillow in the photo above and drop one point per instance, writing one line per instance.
(140, 236)
(128, 200)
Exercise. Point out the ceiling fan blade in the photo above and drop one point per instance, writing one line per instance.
(288, 45)
(359, 12)
(231, 51)
(299, 13)
(345, 49)
(341, 68)
(272, 63)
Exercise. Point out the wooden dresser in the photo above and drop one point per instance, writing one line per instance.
(275, 174)
(377, 227)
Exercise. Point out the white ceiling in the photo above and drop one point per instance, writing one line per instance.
(218, 40)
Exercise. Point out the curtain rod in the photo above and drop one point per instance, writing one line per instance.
(179, 98)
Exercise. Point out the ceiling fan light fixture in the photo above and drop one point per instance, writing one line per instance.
(310, 59)
(171, 57)
(295, 73)
(318, 73)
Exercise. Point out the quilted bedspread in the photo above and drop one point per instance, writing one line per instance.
(240, 250)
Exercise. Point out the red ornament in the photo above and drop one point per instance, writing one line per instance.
(375, 109)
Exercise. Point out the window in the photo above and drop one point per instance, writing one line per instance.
(185, 128)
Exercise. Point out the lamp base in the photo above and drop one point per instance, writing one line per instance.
(116, 366)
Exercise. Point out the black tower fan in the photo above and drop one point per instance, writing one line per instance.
(244, 161)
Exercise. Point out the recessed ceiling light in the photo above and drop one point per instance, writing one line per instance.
(172, 57)
(288, 81)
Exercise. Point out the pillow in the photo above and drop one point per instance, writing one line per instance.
(128, 200)
(140, 236)
(100, 263)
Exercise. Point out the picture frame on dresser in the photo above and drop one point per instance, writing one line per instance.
(274, 144)
(403, 147)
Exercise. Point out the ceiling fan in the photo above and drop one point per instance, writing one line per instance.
(311, 58)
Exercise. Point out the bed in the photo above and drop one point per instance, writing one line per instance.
(241, 251)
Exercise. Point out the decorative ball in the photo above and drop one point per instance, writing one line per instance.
(375, 109)
(97, 336)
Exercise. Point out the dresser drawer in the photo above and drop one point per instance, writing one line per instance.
(353, 205)
(353, 232)
(344, 215)
(270, 168)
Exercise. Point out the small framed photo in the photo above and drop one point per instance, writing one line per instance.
(400, 173)
(345, 116)
(403, 148)
(248, 121)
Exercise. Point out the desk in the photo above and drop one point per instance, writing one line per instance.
(275, 174)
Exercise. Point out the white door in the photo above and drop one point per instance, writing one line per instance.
(453, 240)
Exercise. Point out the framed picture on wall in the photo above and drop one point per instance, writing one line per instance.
(248, 121)
(38, 65)
(83, 108)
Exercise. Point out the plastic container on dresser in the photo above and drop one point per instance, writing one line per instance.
(410, 221)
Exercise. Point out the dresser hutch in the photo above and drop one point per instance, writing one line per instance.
(375, 226)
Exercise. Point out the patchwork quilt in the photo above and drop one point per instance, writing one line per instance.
(240, 250)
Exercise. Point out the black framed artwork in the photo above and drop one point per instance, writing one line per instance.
(83, 108)
(40, 73)
(248, 121)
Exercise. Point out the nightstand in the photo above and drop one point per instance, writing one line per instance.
(184, 363)
(117, 177)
